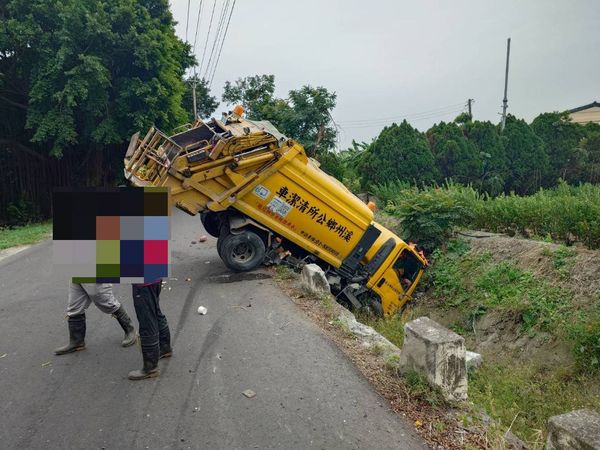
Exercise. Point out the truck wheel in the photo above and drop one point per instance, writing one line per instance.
(242, 252)
(211, 223)
(372, 303)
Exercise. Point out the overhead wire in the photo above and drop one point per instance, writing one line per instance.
(207, 35)
(217, 37)
(196, 34)
(222, 43)
(187, 21)
(413, 119)
(401, 116)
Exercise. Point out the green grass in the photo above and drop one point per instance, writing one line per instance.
(476, 284)
(390, 327)
(28, 234)
(530, 394)
(283, 272)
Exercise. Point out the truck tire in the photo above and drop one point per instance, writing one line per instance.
(211, 223)
(372, 303)
(242, 252)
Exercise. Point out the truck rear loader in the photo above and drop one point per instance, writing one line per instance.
(266, 201)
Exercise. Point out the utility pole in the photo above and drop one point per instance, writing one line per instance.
(469, 103)
(194, 98)
(505, 100)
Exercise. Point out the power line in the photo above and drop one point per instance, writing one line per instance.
(187, 21)
(222, 43)
(436, 112)
(413, 118)
(397, 117)
(217, 38)
(208, 34)
(197, 27)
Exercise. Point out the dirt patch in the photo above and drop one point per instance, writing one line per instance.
(440, 425)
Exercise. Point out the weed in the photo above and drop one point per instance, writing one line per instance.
(584, 334)
(390, 327)
(392, 362)
(283, 272)
(563, 260)
(343, 326)
(418, 387)
(377, 349)
(527, 395)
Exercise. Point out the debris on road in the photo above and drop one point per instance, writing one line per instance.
(206, 262)
(6, 354)
(193, 242)
(203, 238)
(188, 279)
(249, 393)
(202, 310)
(239, 306)
(46, 364)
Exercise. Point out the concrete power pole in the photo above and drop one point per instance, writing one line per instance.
(505, 100)
(194, 98)
(470, 103)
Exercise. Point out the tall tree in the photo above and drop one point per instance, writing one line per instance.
(254, 93)
(400, 152)
(456, 157)
(486, 137)
(526, 159)
(304, 115)
(88, 73)
(561, 139)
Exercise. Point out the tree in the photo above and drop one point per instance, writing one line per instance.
(303, 115)
(206, 104)
(400, 152)
(585, 165)
(526, 159)
(456, 157)
(561, 139)
(84, 74)
(308, 120)
(254, 93)
(486, 138)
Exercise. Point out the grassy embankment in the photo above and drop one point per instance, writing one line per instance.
(27, 234)
(539, 330)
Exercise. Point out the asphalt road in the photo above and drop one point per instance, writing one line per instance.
(308, 394)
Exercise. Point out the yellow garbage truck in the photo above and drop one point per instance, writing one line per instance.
(266, 201)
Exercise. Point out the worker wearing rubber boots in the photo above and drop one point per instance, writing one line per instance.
(80, 297)
(155, 337)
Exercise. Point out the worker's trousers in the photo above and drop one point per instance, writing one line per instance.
(81, 295)
(154, 329)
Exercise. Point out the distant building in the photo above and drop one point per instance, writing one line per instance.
(586, 113)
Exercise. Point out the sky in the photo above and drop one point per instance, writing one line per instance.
(421, 60)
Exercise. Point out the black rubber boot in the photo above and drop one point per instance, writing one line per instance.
(150, 368)
(76, 335)
(127, 325)
(166, 351)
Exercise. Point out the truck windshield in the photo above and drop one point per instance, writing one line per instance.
(407, 267)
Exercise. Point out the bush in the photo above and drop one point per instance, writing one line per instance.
(22, 212)
(430, 216)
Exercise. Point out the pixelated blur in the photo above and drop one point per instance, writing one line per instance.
(112, 235)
